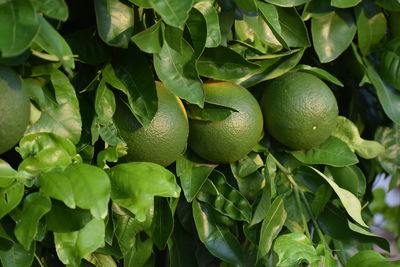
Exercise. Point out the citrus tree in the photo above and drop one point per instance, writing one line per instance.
(199, 132)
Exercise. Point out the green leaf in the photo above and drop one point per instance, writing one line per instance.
(222, 63)
(322, 197)
(370, 258)
(62, 219)
(7, 174)
(212, 21)
(91, 187)
(36, 205)
(142, 3)
(392, 5)
(56, 9)
(104, 103)
(210, 112)
(50, 40)
(57, 186)
(349, 201)
(286, 25)
(389, 58)
(192, 175)
(137, 78)
(347, 131)
(388, 97)
(61, 116)
(293, 249)
(271, 226)
(390, 157)
(270, 69)
(101, 260)
(287, 3)
(345, 3)
(350, 178)
(371, 26)
(72, 247)
(321, 73)
(17, 256)
(151, 39)
(19, 26)
(163, 223)
(332, 33)
(173, 12)
(249, 6)
(110, 154)
(224, 198)
(10, 197)
(333, 152)
(114, 22)
(218, 240)
(181, 248)
(197, 27)
(135, 184)
(140, 254)
(177, 70)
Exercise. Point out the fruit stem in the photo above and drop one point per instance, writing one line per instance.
(38, 260)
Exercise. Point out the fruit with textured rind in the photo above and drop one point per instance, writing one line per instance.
(14, 109)
(234, 137)
(164, 140)
(300, 110)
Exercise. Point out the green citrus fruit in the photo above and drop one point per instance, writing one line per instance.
(14, 109)
(300, 111)
(232, 138)
(164, 140)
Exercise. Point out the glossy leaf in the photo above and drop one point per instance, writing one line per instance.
(350, 178)
(345, 3)
(36, 205)
(370, 258)
(333, 152)
(261, 208)
(371, 26)
(114, 22)
(72, 247)
(7, 174)
(50, 40)
(222, 63)
(192, 175)
(177, 70)
(135, 184)
(212, 21)
(17, 256)
(293, 249)
(286, 25)
(349, 201)
(224, 198)
(19, 26)
(104, 103)
(162, 224)
(388, 97)
(347, 131)
(246, 166)
(58, 186)
(56, 9)
(173, 12)
(197, 27)
(390, 157)
(320, 73)
(287, 3)
(10, 197)
(151, 39)
(210, 112)
(218, 240)
(62, 116)
(271, 226)
(137, 78)
(332, 33)
(62, 219)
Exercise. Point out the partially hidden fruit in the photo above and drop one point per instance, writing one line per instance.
(233, 138)
(300, 110)
(164, 140)
(14, 109)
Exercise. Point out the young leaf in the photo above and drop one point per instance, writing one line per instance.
(114, 22)
(321, 73)
(137, 78)
(7, 174)
(50, 40)
(192, 175)
(197, 27)
(135, 184)
(36, 205)
(293, 249)
(271, 226)
(163, 223)
(173, 12)
(72, 247)
(218, 240)
(370, 258)
(19, 26)
(212, 21)
(333, 152)
(332, 33)
(151, 39)
(10, 197)
(56, 9)
(177, 70)
(350, 202)
(17, 256)
(222, 63)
